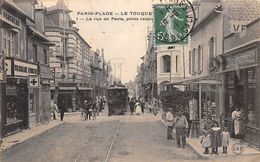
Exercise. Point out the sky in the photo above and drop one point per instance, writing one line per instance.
(126, 40)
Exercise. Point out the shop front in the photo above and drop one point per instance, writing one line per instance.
(21, 99)
(242, 92)
(66, 99)
(84, 93)
(204, 104)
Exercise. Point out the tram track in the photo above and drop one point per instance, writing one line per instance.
(84, 148)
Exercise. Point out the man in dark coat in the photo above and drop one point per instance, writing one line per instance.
(132, 106)
(62, 110)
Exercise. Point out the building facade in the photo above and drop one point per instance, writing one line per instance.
(215, 63)
(172, 66)
(70, 60)
(25, 49)
(241, 80)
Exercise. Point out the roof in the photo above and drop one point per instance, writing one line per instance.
(60, 5)
(209, 16)
(16, 8)
(40, 35)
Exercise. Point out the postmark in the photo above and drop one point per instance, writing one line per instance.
(173, 22)
(237, 148)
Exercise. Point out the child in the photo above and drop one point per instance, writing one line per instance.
(225, 140)
(216, 140)
(206, 141)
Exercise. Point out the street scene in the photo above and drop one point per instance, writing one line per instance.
(127, 80)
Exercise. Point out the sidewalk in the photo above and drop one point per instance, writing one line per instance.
(194, 143)
(26, 134)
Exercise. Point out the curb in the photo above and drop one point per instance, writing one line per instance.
(33, 136)
(212, 157)
(190, 146)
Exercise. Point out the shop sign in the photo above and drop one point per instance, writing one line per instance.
(2, 69)
(243, 59)
(45, 71)
(238, 26)
(8, 67)
(33, 81)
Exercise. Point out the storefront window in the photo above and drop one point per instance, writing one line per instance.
(11, 115)
(251, 79)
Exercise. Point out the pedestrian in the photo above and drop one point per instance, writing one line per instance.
(225, 140)
(142, 106)
(84, 110)
(138, 109)
(62, 110)
(216, 140)
(181, 126)
(94, 110)
(169, 122)
(132, 105)
(206, 141)
(55, 111)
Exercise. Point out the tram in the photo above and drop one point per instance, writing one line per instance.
(117, 98)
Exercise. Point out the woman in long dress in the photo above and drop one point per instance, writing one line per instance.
(138, 109)
(236, 116)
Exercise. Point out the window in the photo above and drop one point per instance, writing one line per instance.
(251, 104)
(34, 53)
(212, 47)
(166, 61)
(176, 63)
(190, 62)
(200, 58)
(10, 45)
(65, 45)
(193, 61)
(45, 57)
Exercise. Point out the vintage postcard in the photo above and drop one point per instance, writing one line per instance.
(129, 80)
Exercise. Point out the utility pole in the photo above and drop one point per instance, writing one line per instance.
(117, 63)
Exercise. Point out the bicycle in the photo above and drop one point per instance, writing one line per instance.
(44, 118)
(83, 114)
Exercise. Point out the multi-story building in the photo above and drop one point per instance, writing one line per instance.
(70, 59)
(98, 72)
(25, 49)
(216, 73)
(241, 80)
(150, 70)
(172, 65)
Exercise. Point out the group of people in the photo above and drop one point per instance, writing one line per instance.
(181, 125)
(92, 108)
(213, 137)
(136, 106)
(57, 111)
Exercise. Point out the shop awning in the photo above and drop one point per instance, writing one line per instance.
(204, 79)
(85, 88)
(67, 88)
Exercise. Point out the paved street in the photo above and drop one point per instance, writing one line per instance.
(138, 138)
(115, 138)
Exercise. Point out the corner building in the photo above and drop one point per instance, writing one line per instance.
(70, 59)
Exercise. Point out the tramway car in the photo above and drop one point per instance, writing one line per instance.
(117, 98)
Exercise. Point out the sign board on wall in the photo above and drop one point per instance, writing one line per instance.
(33, 81)
(20, 68)
(238, 26)
(2, 68)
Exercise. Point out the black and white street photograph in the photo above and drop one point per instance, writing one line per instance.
(129, 80)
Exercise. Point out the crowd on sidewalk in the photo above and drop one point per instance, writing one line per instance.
(212, 138)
